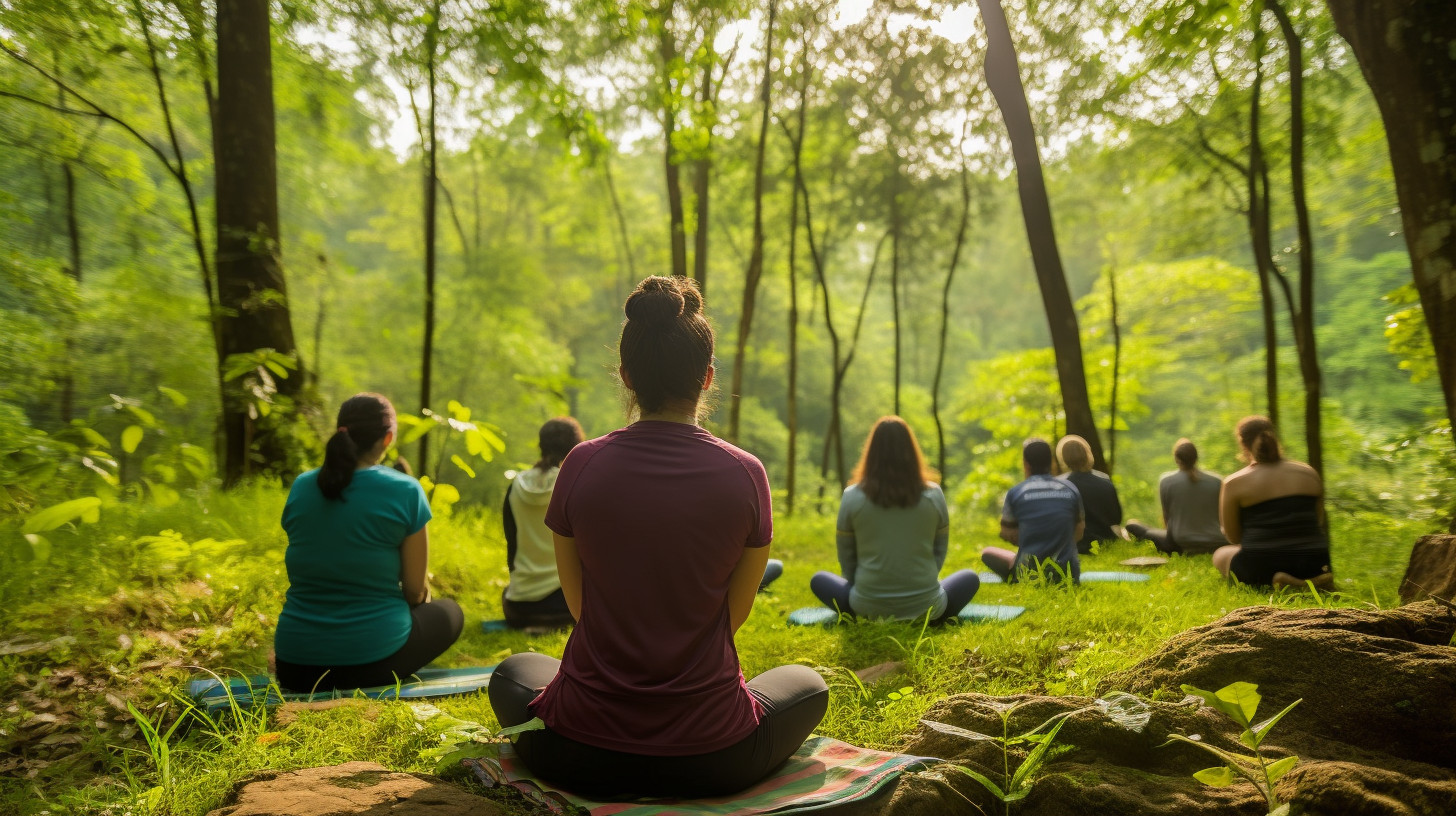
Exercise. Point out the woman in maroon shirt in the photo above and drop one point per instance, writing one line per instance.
(662, 534)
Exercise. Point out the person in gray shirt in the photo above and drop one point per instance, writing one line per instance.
(892, 535)
(1190, 508)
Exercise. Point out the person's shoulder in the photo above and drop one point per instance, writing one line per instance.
(1097, 475)
(305, 485)
(744, 458)
(1168, 476)
(387, 478)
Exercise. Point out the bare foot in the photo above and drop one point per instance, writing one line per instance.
(1324, 582)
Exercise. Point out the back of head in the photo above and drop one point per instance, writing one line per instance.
(891, 470)
(1257, 438)
(1037, 454)
(667, 344)
(557, 437)
(1185, 453)
(1075, 454)
(364, 419)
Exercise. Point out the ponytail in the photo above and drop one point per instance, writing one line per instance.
(1260, 444)
(364, 419)
(1185, 453)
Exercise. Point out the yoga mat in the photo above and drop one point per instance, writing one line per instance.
(1114, 577)
(990, 612)
(824, 616)
(825, 773)
(492, 626)
(1145, 561)
(212, 695)
(990, 578)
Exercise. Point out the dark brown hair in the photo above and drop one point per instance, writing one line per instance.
(1256, 436)
(1075, 454)
(667, 344)
(1185, 453)
(557, 437)
(1037, 454)
(891, 470)
(364, 419)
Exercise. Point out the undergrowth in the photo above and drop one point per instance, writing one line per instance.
(122, 612)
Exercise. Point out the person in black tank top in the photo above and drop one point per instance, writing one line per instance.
(1272, 513)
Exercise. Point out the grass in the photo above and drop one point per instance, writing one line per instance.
(119, 614)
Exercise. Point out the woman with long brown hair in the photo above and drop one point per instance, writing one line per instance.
(1273, 516)
(661, 535)
(893, 534)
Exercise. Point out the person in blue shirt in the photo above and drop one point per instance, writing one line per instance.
(358, 611)
(893, 534)
(1043, 517)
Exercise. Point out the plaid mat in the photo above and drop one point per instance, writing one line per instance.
(212, 694)
(824, 773)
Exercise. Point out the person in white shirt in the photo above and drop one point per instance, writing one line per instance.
(534, 598)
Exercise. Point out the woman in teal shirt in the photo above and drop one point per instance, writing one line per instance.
(358, 611)
(893, 534)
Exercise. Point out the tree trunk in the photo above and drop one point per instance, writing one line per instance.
(1259, 237)
(252, 297)
(621, 216)
(895, 229)
(667, 51)
(427, 354)
(955, 258)
(1309, 367)
(1116, 370)
(793, 384)
(1004, 79)
(73, 233)
(755, 259)
(702, 172)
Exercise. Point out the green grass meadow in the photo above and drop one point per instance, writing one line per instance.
(120, 611)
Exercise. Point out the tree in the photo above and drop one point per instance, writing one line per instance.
(1004, 79)
(252, 296)
(1405, 50)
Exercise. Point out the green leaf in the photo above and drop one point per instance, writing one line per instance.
(957, 731)
(1245, 696)
(178, 398)
(1262, 729)
(458, 411)
(445, 495)
(87, 509)
(417, 429)
(131, 437)
(1249, 739)
(95, 438)
(474, 442)
(1282, 810)
(1033, 761)
(460, 463)
(162, 495)
(469, 750)
(1278, 769)
(533, 724)
(1219, 777)
(985, 782)
(1229, 709)
(143, 415)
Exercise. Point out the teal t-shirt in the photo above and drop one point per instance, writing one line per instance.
(345, 606)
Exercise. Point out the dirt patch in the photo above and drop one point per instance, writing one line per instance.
(353, 789)
(1376, 732)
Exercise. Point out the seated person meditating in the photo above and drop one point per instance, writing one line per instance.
(893, 532)
(358, 611)
(1099, 497)
(1273, 516)
(534, 597)
(1190, 507)
(1042, 516)
(662, 534)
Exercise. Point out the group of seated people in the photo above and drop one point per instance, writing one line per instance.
(653, 542)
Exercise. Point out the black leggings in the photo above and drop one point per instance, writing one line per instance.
(550, 612)
(793, 698)
(434, 627)
(1257, 567)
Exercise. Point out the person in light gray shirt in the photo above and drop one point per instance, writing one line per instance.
(893, 535)
(1190, 508)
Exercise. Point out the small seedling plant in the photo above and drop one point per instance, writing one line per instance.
(1123, 709)
(1240, 702)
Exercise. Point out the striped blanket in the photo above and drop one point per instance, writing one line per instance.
(824, 773)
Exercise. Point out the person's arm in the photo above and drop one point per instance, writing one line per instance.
(1228, 511)
(414, 565)
(1165, 498)
(1009, 531)
(508, 521)
(845, 542)
(743, 584)
(568, 569)
(1081, 521)
(941, 545)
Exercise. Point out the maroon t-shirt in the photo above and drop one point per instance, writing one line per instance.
(661, 513)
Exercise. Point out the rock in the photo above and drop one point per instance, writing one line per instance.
(1376, 733)
(1380, 681)
(353, 789)
(1431, 572)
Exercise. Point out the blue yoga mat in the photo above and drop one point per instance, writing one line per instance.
(212, 695)
(823, 616)
(492, 626)
(1114, 577)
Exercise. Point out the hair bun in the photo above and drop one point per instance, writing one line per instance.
(661, 300)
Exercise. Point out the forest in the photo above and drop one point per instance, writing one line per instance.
(1132, 220)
